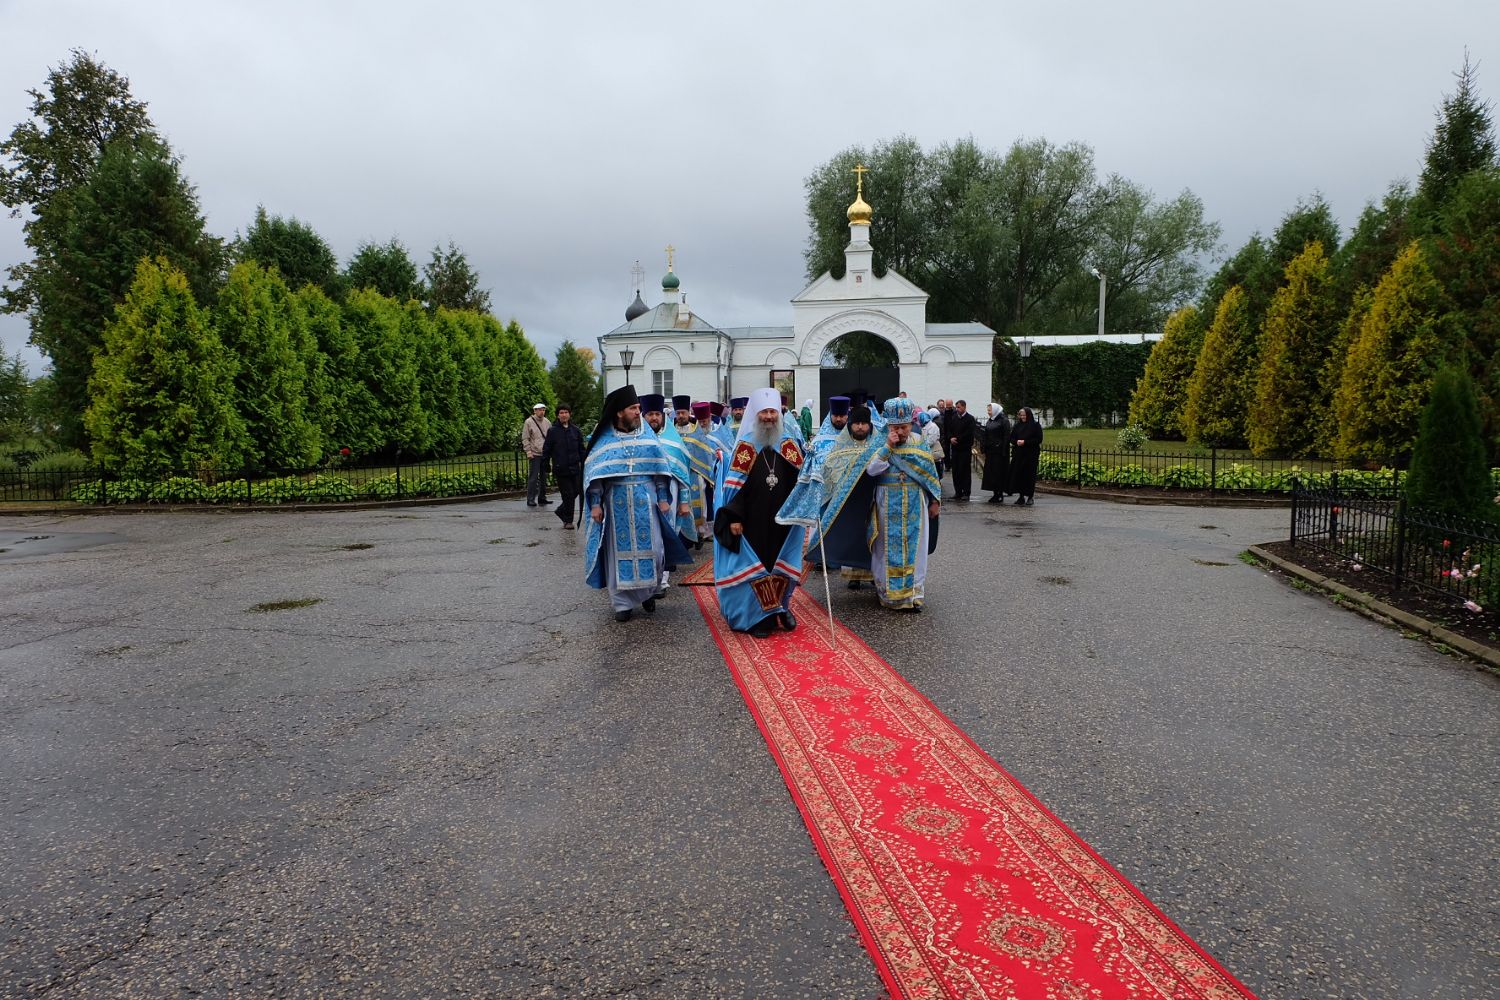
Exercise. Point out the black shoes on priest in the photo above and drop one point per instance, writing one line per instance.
(762, 629)
(648, 606)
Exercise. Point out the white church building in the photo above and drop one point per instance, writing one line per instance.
(673, 351)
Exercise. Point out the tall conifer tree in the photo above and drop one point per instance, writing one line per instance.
(258, 323)
(1161, 393)
(1220, 390)
(1289, 393)
(1449, 468)
(163, 385)
(1407, 335)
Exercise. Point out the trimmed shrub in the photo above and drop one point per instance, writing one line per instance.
(1448, 469)
(1130, 475)
(1185, 477)
(1052, 467)
(327, 489)
(384, 487)
(180, 489)
(112, 491)
(1132, 437)
(57, 471)
(282, 490)
(453, 484)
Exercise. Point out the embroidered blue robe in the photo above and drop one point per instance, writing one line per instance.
(628, 473)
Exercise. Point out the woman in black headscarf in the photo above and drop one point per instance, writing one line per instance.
(1026, 450)
(995, 436)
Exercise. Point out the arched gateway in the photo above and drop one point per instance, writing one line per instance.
(674, 351)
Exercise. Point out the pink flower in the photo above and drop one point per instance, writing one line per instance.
(1356, 567)
(1472, 606)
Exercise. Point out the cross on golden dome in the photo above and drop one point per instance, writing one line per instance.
(859, 212)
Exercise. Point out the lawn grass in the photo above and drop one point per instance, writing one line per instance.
(1104, 439)
(1107, 439)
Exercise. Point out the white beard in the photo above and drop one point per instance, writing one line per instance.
(764, 436)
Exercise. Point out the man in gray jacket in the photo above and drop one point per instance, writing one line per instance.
(533, 440)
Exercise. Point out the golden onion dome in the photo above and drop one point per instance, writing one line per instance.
(859, 212)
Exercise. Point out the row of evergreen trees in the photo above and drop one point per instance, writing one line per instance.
(270, 378)
(172, 348)
(1301, 346)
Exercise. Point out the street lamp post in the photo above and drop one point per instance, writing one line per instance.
(1102, 282)
(1024, 346)
(626, 357)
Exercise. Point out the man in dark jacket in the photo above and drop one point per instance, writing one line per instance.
(564, 449)
(960, 428)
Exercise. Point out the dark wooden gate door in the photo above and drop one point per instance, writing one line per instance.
(877, 384)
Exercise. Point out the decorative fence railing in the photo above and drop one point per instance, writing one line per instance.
(393, 479)
(1377, 531)
(1213, 471)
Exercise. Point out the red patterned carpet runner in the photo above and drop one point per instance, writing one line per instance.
(702, 573)
(961, 883)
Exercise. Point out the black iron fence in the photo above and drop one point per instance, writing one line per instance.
(1375, 530)
(390, 479)
(1213, 471)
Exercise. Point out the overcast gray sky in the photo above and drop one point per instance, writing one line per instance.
(558, 142)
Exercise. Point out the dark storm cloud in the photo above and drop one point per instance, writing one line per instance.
(558, 143)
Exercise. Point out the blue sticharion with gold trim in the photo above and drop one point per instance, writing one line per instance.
(631, 459)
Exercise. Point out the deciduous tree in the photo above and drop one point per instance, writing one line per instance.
(85, 108)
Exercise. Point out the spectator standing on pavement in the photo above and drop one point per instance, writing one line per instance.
(563, 450)
(533, 440)
(1026, 451)
(961, 428)
(996, 445)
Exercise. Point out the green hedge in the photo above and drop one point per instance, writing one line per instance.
(1234, 476)
(320, 488)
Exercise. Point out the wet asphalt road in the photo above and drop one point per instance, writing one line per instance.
(455, 775)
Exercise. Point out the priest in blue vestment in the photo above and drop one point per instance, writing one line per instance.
(903, 525)
(632, 537)
(758, 562)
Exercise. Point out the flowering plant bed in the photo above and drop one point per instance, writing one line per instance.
(1482, 626)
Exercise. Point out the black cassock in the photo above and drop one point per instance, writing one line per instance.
(1025, 456)
(996, 456)
(755, 506)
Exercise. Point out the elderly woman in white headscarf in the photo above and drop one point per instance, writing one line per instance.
(995, 440)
